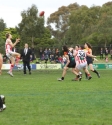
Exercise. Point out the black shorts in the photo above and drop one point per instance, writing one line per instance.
(89, 61)
(71, 65)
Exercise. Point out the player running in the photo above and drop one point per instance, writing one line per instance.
(68, 53)
(9, 53)
(88, 49)
(1, 62)
(81, 62)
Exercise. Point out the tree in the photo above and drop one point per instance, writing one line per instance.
(60, 19)
(31, 25)
(2, 25)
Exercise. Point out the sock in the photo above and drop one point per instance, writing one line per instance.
(78, 76)
(62, 78)
(86, 75)
(95, 71)
(11, 67)
(17, 60)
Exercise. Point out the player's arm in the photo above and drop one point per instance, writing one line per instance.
(95, 59)
(13, 44)
(75, 53)
(68, 61)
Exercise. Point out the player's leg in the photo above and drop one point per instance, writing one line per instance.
(17, 56)
(76, 71)
(87, 72)
(93, 70)
(63, 74)
(12, 59)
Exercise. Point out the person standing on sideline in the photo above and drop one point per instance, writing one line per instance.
(10, 54)
(111, 54)
(101, 53)
(106, 54)
(1, 62)
(25, 54)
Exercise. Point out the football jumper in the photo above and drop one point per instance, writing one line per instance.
(8, 49)
(89, 59)
(81, 59)
(72, 63)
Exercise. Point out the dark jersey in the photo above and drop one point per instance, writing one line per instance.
(72, 60)
(89, 59)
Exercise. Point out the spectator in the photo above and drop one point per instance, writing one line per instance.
(60, 59)
(111, 54)
(106, 54)
(52, 58)
(53, 52)
(46, 55)
(57, 52)
(49, 53)
(101, 53)
(33, 54)
(40, 53)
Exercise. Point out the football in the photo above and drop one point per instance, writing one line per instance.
(41, 13)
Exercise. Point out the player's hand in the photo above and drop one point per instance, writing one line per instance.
(18, 40)
(95, 59)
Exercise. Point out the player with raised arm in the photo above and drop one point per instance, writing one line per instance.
(88, 49)
(9, 53)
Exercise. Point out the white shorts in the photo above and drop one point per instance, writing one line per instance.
(9, 55)
(81, 65)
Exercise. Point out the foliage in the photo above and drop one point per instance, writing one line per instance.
(31, 25)
(70, 25)
(2, 25)
(60, 19)
(84, 24)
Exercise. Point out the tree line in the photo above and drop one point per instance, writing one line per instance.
(69, 25)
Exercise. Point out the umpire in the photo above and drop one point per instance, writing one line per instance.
(25, 54)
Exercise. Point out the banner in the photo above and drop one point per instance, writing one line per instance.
(48, 66)
(6, 66)
(19, 67)
(102, 66)
(52, 66)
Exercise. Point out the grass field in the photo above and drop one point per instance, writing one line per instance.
(39, 99)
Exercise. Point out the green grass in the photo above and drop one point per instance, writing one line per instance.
(39, 99)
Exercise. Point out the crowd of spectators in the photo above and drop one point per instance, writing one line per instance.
(104, 54)
(53, 55)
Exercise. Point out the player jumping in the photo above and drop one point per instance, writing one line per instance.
(9, 53)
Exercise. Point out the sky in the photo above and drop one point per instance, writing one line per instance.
(10, 10)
